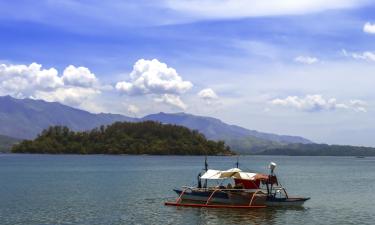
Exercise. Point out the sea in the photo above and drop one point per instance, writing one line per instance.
(123, 189)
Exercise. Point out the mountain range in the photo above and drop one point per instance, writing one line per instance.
(26, 118)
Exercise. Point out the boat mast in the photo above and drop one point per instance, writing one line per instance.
(205, 163)
(237, 163)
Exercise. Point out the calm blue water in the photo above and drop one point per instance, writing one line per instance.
(68, 189)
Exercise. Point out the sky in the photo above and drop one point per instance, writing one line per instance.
(296, 67)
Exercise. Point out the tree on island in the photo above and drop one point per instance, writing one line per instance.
(124, 138)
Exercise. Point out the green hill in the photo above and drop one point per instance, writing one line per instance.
(124, 138)
(6, 143)
(251, 145)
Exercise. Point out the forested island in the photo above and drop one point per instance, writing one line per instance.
(156, 138)
(124, 138)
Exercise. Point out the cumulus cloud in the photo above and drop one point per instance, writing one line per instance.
(22, 79)
(75, 85)
(369, 28)
(366, 55)
(72, 96)
(306, 59)
(153, 77)
(124, 86)
(78, 76)
(314, 103)
(173, 100)
(207, 94)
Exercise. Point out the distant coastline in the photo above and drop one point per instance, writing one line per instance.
(154, 138)
(319, 150)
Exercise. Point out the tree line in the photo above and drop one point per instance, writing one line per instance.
(319, 150)
(123, 138)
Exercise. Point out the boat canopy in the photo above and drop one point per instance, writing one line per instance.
(231, 173)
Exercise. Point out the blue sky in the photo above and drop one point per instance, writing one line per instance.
(290, 67)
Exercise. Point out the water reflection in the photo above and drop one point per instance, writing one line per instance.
(207, 216)
(43, 189)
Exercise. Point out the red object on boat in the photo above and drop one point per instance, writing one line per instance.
(255, 184)
(247, 184)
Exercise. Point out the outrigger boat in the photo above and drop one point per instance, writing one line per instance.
(244, 190)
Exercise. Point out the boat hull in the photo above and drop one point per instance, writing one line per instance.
(286, 201)
(229, 198)
(237, 198)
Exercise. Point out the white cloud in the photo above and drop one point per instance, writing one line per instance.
(73, 96)
(132, 109)
(358, 105)
(173, 100)
(366, 55)
(22, 80)
(207, 94)
(78, 76)
(31, 81)
(47, 79)
(208, 9)
(369, 28)
(306, 59)
(14, 86)
(124, 86)
(313, 103)
(153, 77)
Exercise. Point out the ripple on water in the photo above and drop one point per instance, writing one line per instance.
(44, 189)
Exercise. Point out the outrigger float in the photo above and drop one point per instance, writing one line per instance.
(243, 190)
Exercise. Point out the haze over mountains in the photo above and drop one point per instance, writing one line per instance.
(6, 143)
(25, 118)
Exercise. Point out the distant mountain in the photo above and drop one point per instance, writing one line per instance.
(7, 142)
(25, 118)
(217, 130)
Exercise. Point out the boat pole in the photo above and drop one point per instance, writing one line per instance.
(206, 169)
(253, 197)
(205, 163)
(212, 195)
(180, 197)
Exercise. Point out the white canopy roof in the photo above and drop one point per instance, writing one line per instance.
(231, 173)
